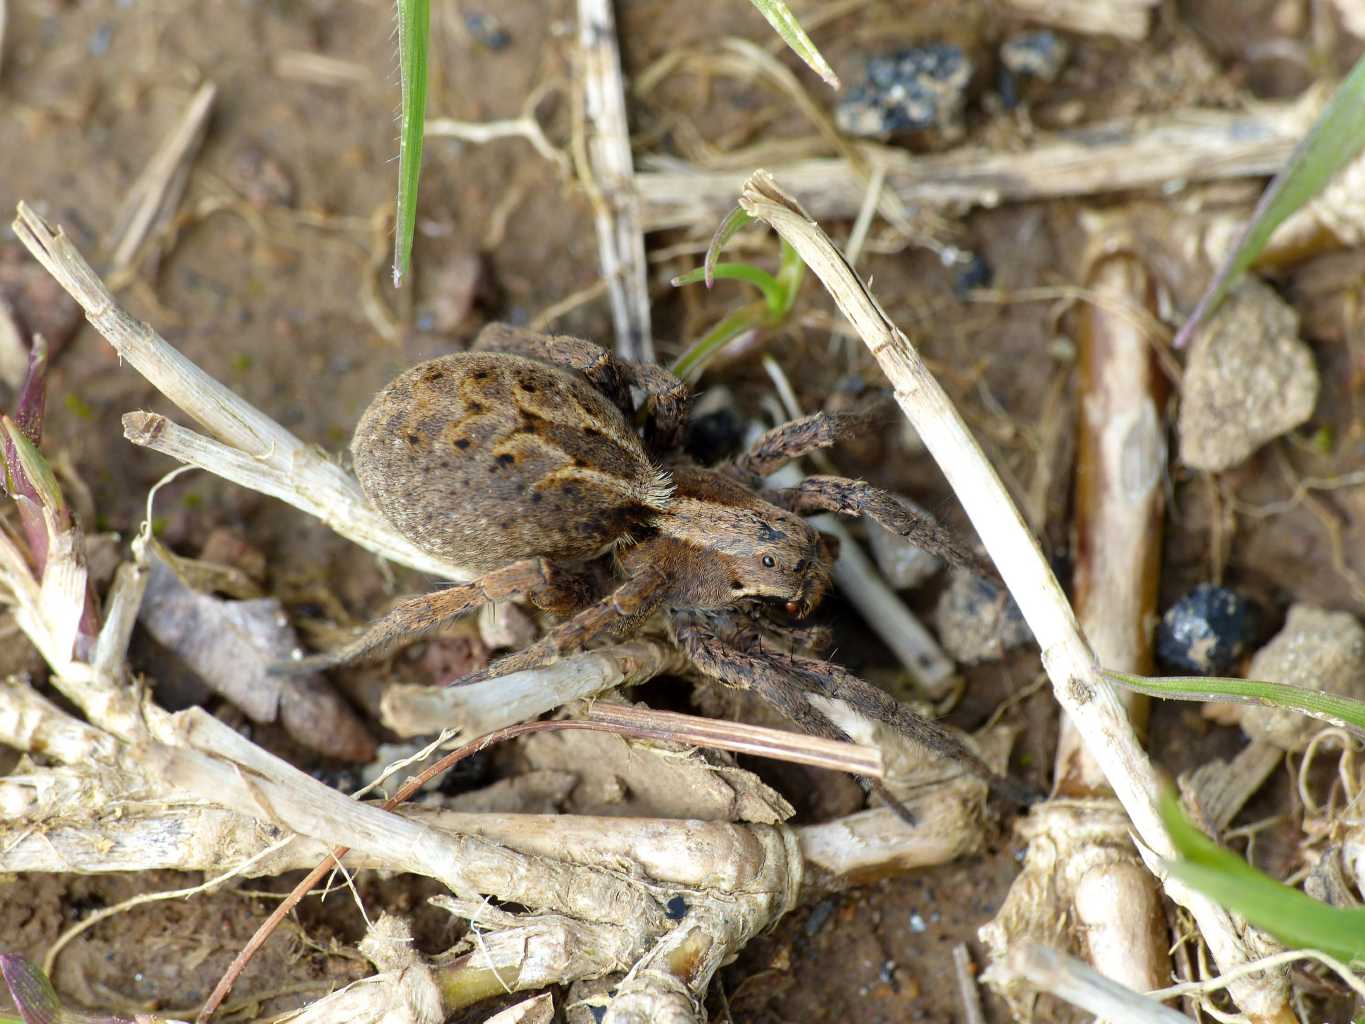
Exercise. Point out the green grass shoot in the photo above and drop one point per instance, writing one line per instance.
(414, 23)
(1329, 707)
(784, 23)
(1293, 917)
(1333, 141)
(778, 295)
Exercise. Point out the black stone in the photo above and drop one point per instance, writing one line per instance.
(1206, 631)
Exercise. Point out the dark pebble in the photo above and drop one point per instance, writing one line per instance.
(908, 91)
(1206, 631)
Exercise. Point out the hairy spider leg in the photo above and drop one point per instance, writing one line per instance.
(791, 440)
(536, 579)
(668, 396)
(627, 604)
(859, 498)
(762, 674)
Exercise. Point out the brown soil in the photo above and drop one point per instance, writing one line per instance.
(285, 236)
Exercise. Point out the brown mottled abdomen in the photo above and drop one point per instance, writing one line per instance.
(486, 458)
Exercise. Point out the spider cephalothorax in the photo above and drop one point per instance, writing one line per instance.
(520, 461)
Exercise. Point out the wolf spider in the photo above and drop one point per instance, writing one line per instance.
(519, 460)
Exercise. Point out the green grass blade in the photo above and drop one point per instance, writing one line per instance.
(691, 362)
(414, 19)
(1335, 138)
(774, 294)
(734, 220)
(784, 23)
(1293, 917)
(1339, 711)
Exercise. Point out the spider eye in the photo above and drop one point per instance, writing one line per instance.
(768, 561)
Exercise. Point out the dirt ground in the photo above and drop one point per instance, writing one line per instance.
(271, 284)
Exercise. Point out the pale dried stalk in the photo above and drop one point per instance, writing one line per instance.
(1121, 465)
(483, 707)
(616, 206)
(1069, 979)
(157, 191)
(1080, 688)
(743, 738)
(1126, 19)
(1149, 152)
(58, 819)
(244, 435)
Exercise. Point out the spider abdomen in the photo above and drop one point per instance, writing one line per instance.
(487, 458)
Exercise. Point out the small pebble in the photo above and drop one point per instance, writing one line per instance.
(1206, 631)
(1316, 650)
(487, 30)
(100, 39)
(1248, 379)
(909, 91)
(819, 915)
(917, 924)
(976, 621)
(1029, 56)
(972, 273)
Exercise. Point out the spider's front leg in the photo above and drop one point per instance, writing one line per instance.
(791, 440)
(533, 578)
(859, 498)
(762, 674)
(623, 607)
(832, 680)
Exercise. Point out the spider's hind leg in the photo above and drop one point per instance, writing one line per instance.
(534, 578)
(787, 681)
(612, 376)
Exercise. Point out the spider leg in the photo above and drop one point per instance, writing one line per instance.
(668, 402)
(600, 367)
(834, 681)
(791, 440)
(859, 498)
(612, 376)
(534, 578)
(762, 675)
(623, 607)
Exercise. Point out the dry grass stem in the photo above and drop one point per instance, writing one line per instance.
(742, 738)
(1143, 153)
(968, 992)
(519, 696)
(1126, 19)
(1069, 979)
(319, 69)
(1077, 683)
(246, 444)
(616, 207)
(1090, 872)
(157, 191)
(524, 126)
